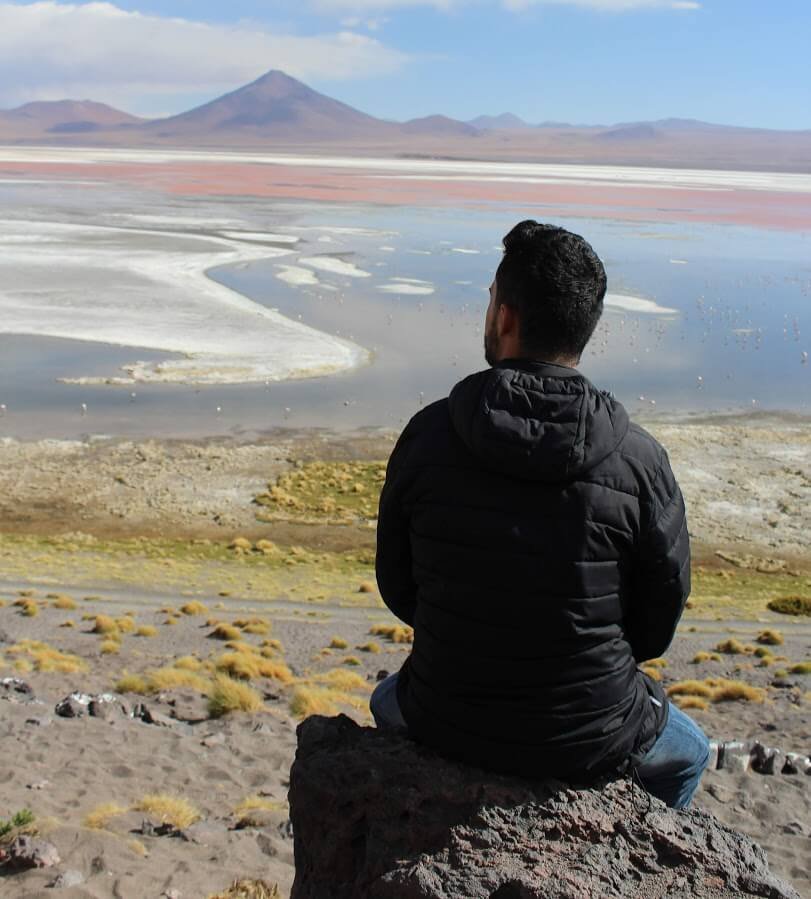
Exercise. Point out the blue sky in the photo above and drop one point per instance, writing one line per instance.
(590, 61)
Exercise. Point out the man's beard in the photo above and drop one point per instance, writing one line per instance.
(491, 354)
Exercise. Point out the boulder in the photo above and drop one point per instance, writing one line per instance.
(375, 816)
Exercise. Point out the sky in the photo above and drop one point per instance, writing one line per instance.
(736, 62)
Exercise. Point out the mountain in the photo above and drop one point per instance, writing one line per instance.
(274, 105)
(277, 111)
(64, 117)
(504, 122)
(439, 125)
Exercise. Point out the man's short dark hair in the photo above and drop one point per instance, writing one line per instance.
(556, 282)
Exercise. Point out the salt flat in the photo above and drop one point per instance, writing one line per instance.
(434, 169)
(145, 288)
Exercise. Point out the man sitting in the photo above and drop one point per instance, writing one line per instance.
(536, 541)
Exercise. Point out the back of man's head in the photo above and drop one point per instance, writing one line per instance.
(556, 283)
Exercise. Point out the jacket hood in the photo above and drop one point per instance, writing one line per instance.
(536, 420)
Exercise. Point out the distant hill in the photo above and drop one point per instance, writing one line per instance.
(277, 111)
(63, 117)
(504, 122)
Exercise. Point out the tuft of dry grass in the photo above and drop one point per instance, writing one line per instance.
(64, 602)
(731, 647)
(352, 661)
(342, 680)
(307, 701)
(188, 663)
(193, 608)
(173, 810)
(691, 702)
(68, 623)
(801, 668)
(29, 608)
(371, 646)
(44, 658)
(261, 628)
(702, 656)
(146, 630)
(770, 637)
(104, 624)
(791, 605)
(366, 587)
(131, 683)
(691, 688)
(652, 673)
(338, 643)
(109, 647)
(396, 633)
(250, 666)
(249, 889)
(126, 625)
(258, 803)
(656, 663)
(225, 632)
(101, 815)
(228, 695)
(732, 690)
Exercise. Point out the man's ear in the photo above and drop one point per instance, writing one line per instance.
(506, 320)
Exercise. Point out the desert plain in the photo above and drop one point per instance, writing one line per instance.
(201, 594)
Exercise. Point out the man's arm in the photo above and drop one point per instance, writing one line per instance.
(661, 578)
(393, 562)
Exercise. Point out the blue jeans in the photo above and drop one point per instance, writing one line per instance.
(671, 770)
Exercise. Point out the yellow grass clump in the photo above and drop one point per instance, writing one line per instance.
(691, 702)
(261, 628)
(342, 680)
(193, 608)
(176, 679)
(273, 644)
(366, 587)
(249, 666)
(732, 690)
(691, 688)
(126, 624)
(791, 605)
(64, 602)
(652, 673)
(770, 637)
(656, 663)
(702, 656)
(371, 646)
(68, 623)
(173, 810)
(146, 630)
(763, 652)
(228, 695)
(338, 643)
(131, 683)
(104, 624)
(225, 632)
(249, 889)
(258, 803)
(29, 608)
(731, 647)
(801, 668)
(396, 633)
(307, 701)
(101, 815)
(352, 661)
(188, 663)
(44, 658)
(109, 647)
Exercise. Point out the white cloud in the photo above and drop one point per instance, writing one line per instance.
(50, 50)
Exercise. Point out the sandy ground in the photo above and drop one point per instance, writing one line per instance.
(137, 530)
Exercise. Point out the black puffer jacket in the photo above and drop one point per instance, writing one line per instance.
(537, 542)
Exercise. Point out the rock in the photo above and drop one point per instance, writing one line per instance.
(66, 879)
(158, 718)
(381, 675)
(375, 816)
(44, 721)
(212, 740)
(796, 764)
(28, 852)
(14, 689)
(38, 785)
(73, 706)
(734, 757)
(712, 764)
(766, 759)
(107, 706)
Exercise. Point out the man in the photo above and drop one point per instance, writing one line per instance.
(536, 541)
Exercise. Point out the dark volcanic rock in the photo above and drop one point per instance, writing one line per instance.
(374, 815)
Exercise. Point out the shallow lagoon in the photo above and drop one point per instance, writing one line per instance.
(410, 284)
